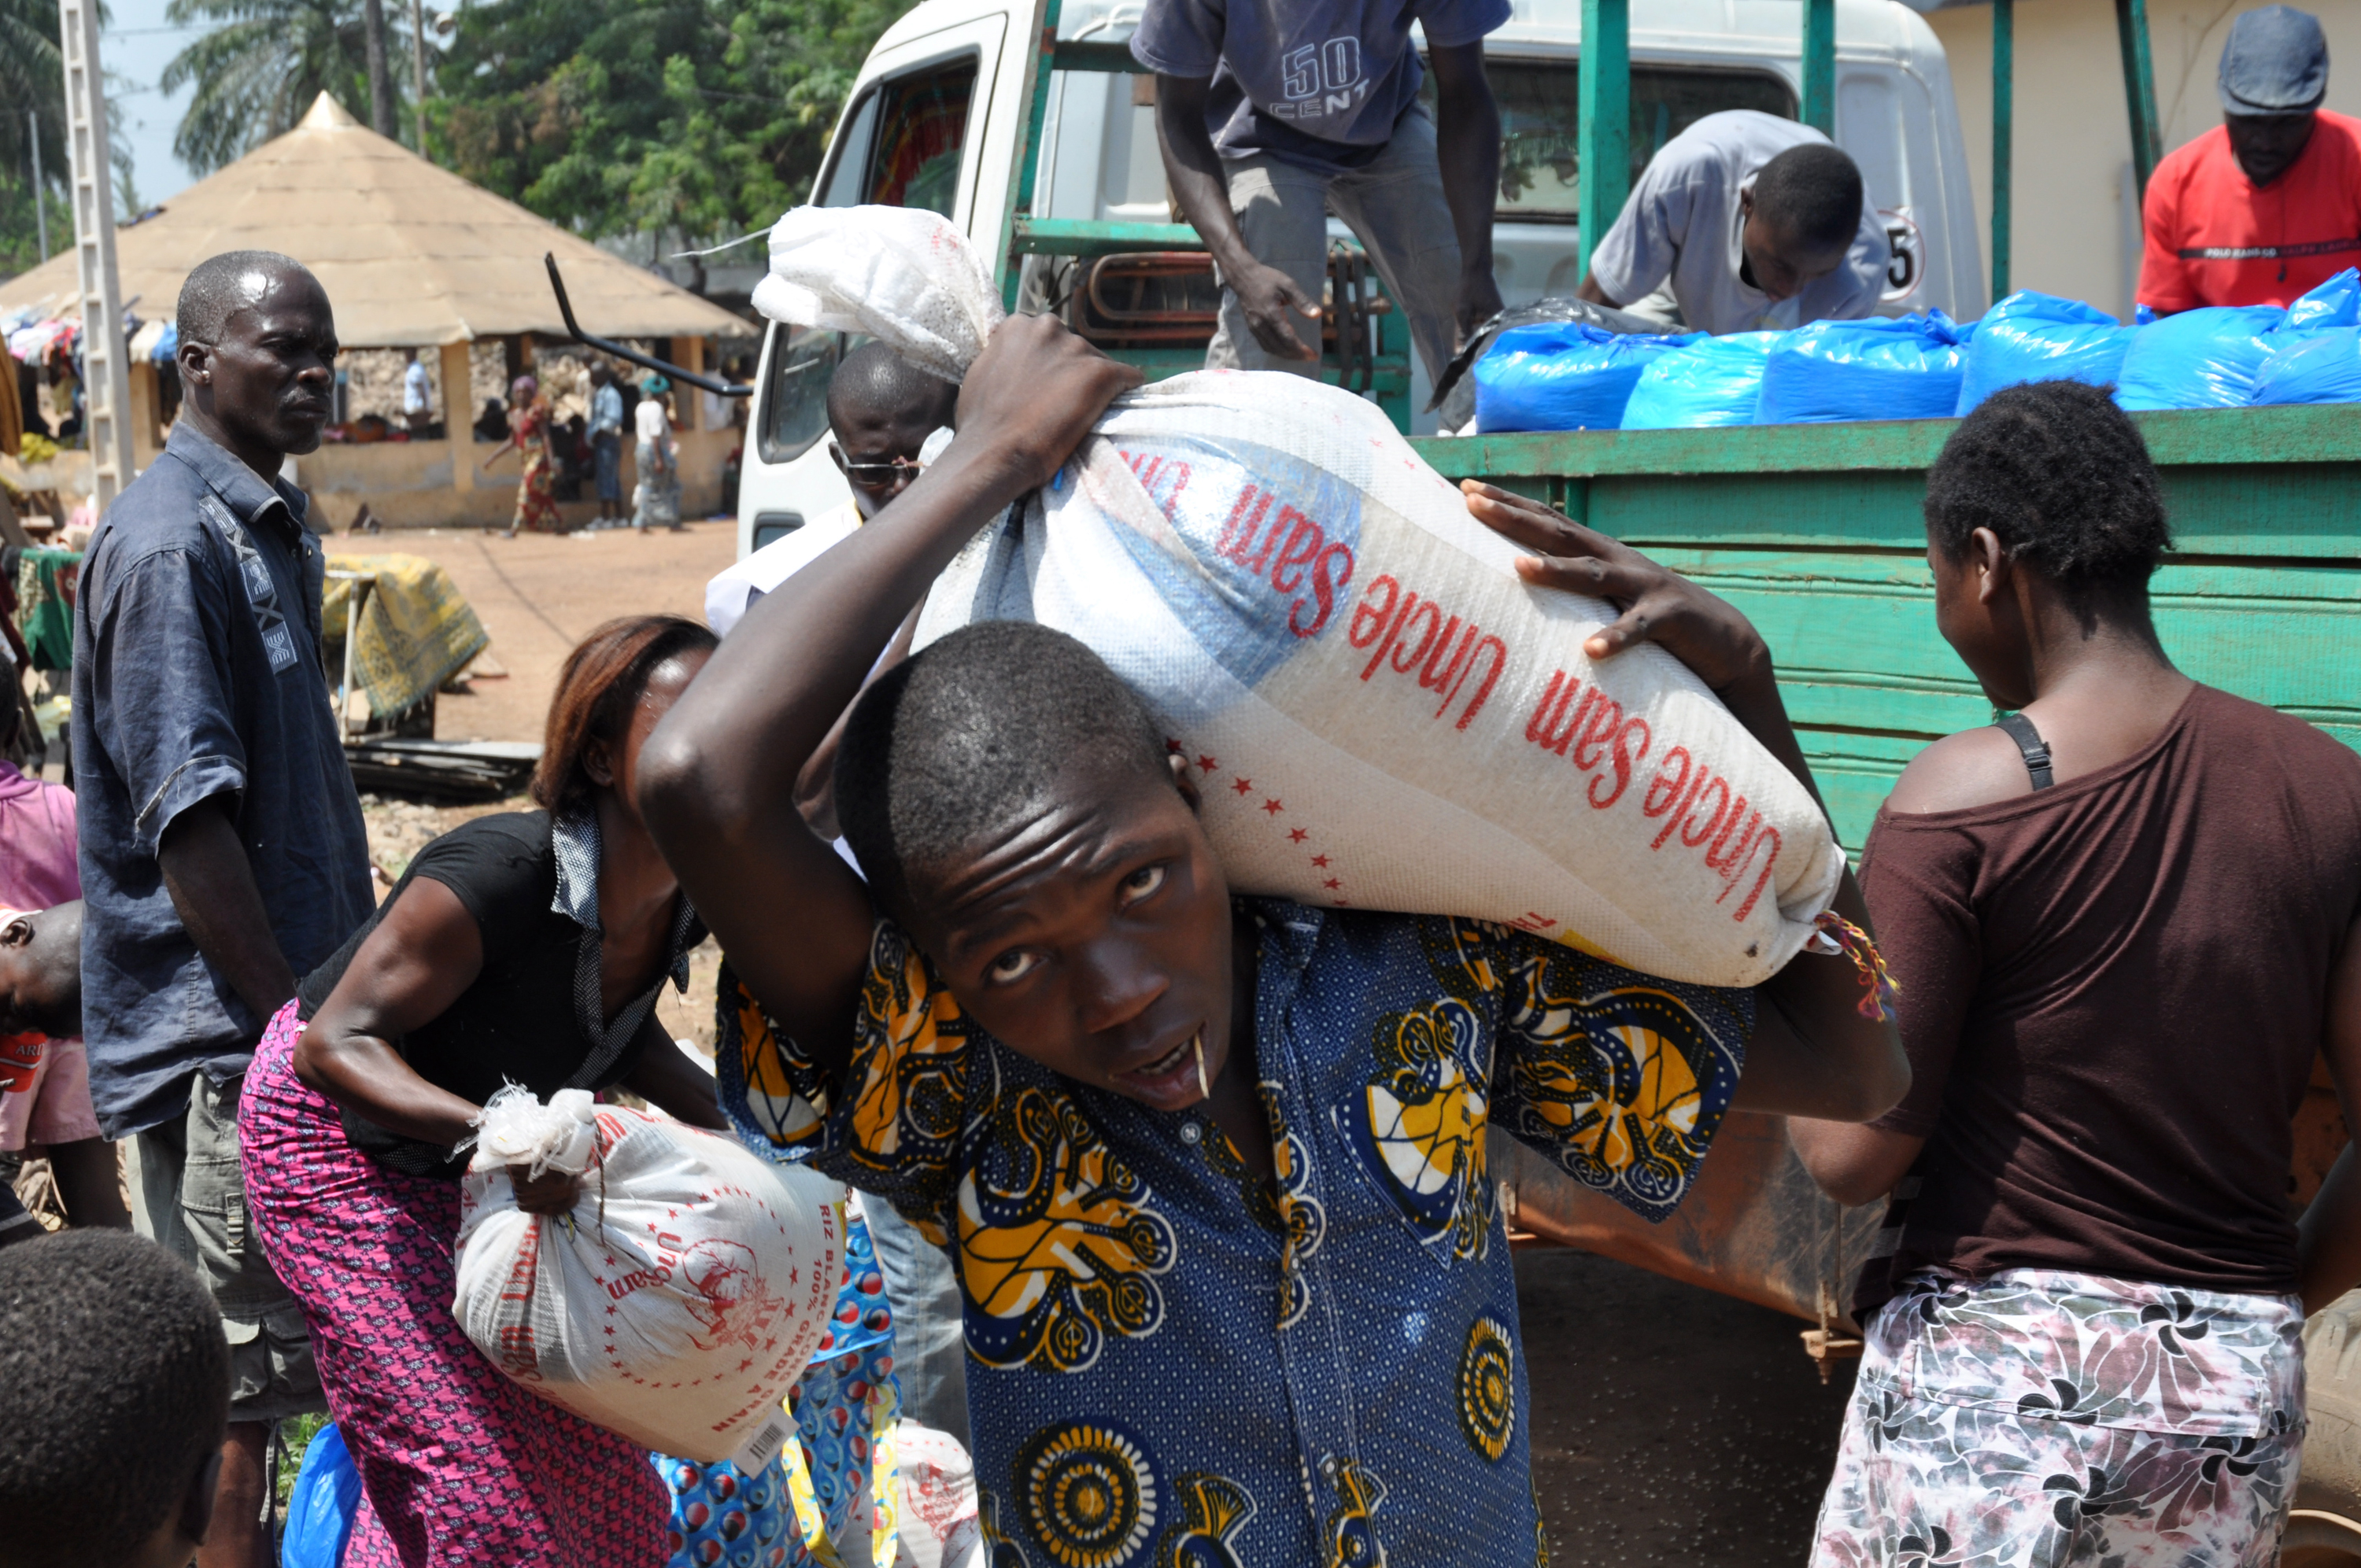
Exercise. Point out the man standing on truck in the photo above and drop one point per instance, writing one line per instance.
(2268, 205)
(1745, 222)
(1269, 118)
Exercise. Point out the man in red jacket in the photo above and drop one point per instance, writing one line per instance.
(2270, 204)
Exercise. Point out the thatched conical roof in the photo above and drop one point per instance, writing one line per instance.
(411, 254)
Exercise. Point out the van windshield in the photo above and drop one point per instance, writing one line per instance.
(1539, 111)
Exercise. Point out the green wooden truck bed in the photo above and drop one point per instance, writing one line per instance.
(1814, 531)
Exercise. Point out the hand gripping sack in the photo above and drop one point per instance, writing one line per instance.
(1712, 383)
(1563, 376)
(1380, 714)
(1883, 367)
(2032, 337)
(679, 1301)
(2205, 358)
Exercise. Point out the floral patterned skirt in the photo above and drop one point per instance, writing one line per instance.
(458, 1465)
(536, 501)
(2038, 1418)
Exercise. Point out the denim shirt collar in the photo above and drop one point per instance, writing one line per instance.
(574, 837)
(246, 493)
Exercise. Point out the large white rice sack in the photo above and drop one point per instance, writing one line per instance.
(1379, 713)
(677, 1302)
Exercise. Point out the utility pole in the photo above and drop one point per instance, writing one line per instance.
(381, 84)
(40, 211)
(418, 67)
(107, 370)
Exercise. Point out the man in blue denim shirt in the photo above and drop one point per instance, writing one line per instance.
(223, 853)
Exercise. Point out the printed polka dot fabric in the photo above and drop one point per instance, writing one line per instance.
(815, 1509)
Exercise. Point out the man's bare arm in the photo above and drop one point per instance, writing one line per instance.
(1468, 147)
(717, 777)
(211, 883)
(1269, 297)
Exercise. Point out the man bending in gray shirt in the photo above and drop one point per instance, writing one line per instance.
(1744, 223)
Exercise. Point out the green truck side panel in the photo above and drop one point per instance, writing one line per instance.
(1815, 533)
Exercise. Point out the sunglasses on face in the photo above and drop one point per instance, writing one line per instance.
(876, 476)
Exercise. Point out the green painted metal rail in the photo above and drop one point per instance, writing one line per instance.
(1814, 531)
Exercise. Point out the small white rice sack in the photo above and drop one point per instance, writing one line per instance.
(678, 1301)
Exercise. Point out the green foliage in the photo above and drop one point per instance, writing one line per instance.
(703, 118)
(295, 1433)
(32, 77)
(19, 235)
(259, 70)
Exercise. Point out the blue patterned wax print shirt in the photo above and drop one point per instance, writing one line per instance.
(1172, 1361)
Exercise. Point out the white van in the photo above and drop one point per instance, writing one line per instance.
(936, 113)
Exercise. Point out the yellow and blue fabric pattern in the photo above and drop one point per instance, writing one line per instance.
(417, 629)
(1173, 1361)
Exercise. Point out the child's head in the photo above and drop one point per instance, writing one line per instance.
(2047, 483)
(40, 971)
(1016, 809)
(114, 1399)
(881, 409)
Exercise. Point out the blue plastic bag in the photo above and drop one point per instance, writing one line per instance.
(2205, 358)
(2336, 303)
(1884, 368)
(320, 1510)
(1563, 376)
(2319, 367)
(2040, 338)
(1715, 382)
(2315, 355)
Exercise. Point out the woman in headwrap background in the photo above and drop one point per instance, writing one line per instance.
(658, 497)
(536, 506)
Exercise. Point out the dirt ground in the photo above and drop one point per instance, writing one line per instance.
(538, 595)
(1669, 1425)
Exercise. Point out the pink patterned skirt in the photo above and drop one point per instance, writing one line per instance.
(458, 1465)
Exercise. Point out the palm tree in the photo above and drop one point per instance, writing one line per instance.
(31, 79)
(260, 68)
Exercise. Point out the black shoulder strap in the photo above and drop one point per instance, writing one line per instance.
(2029, 741)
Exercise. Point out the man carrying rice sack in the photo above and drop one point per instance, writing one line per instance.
(1236, 1283)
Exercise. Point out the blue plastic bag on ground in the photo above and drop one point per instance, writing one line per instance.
(1884, 368)
(2205, 358)
(1563, 376)
(320, 1510)
(2315, 355)
(1715, 382)
(2031, 336)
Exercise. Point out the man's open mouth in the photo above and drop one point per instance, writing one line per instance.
(1172, 1060)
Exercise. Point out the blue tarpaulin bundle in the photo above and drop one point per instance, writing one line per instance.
(2205, 358)
(1715, 382)
(1884, 368)
(1563, 376)
(2315, 355)
(2031, 336)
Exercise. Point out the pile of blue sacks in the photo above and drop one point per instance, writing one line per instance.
(1564, 376)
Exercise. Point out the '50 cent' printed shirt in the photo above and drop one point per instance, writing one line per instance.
(1172, 1361)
